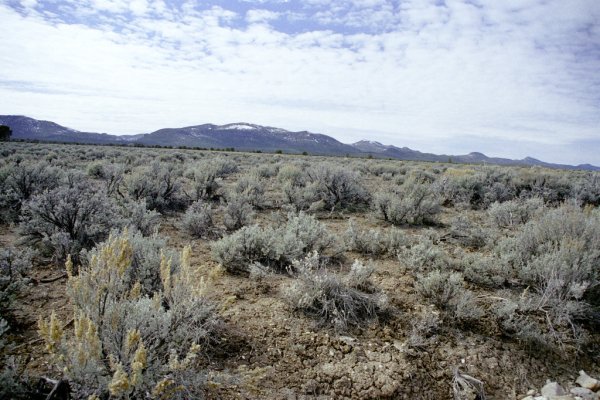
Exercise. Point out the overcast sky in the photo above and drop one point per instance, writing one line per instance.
(510, 78)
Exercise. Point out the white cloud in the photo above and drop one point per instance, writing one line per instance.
(115, 6)
(139, 7)
(29, 4)
(254, 16)
(421, 74)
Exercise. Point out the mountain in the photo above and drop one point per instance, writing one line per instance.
(243, 136)
(33, 129)
(401, 153)
(251, 137)
(377, 149)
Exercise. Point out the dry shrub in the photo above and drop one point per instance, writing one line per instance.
(339, 301)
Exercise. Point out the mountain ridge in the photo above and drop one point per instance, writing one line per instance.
(252, 137)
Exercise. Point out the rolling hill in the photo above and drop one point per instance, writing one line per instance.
(250, 137)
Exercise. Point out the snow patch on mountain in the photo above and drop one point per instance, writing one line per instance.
(240, 127)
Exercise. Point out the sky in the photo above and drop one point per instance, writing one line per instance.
(509, 78)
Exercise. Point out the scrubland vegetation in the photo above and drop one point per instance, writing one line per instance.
(163, 273)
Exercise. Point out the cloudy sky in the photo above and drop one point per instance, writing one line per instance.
(509, 78)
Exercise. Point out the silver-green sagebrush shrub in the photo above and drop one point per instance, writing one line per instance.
(412, 203)
(298, 193)
(146, 255)
(69, 218)
(27, 179)
(299, 198)
(251, 190)
(19, 182)
(587, 189)
(556, 256)
(265, 171)
(382, 168)
(273, 247)
(518, 315)
(424, 254)
(462, 189)
(563, 241)
(223, 166)
(440, 287)
(198, 220)
(14, 265)
(447, 292)
(467, 233)
(159, 184)
(139, 217)
(113, 176)
(11, 379)
(340, 301)
(485, 271)
(204, 183)
(373, 242)
(551, 186)
(336, 186)
(292, 174)
(206, 176)
(237, 212)
(476, 187)
(128, 341)
(324, 186)
(95, 170)
(514, 212)
(246, 246)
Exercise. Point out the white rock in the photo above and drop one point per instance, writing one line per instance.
(553, 389)
(584, 393)
(586, 381)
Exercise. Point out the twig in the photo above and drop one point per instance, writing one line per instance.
(463, 385)
(61, 390)
(50, 280)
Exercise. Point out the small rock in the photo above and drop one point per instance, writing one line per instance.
(347, 339)
(586, 381)
(553, 389)
(584, 393)
(399, 345)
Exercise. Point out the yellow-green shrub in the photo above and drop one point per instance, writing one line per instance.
(128, 344)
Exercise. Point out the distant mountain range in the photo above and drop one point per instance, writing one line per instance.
(405, 153)
(250, 137)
